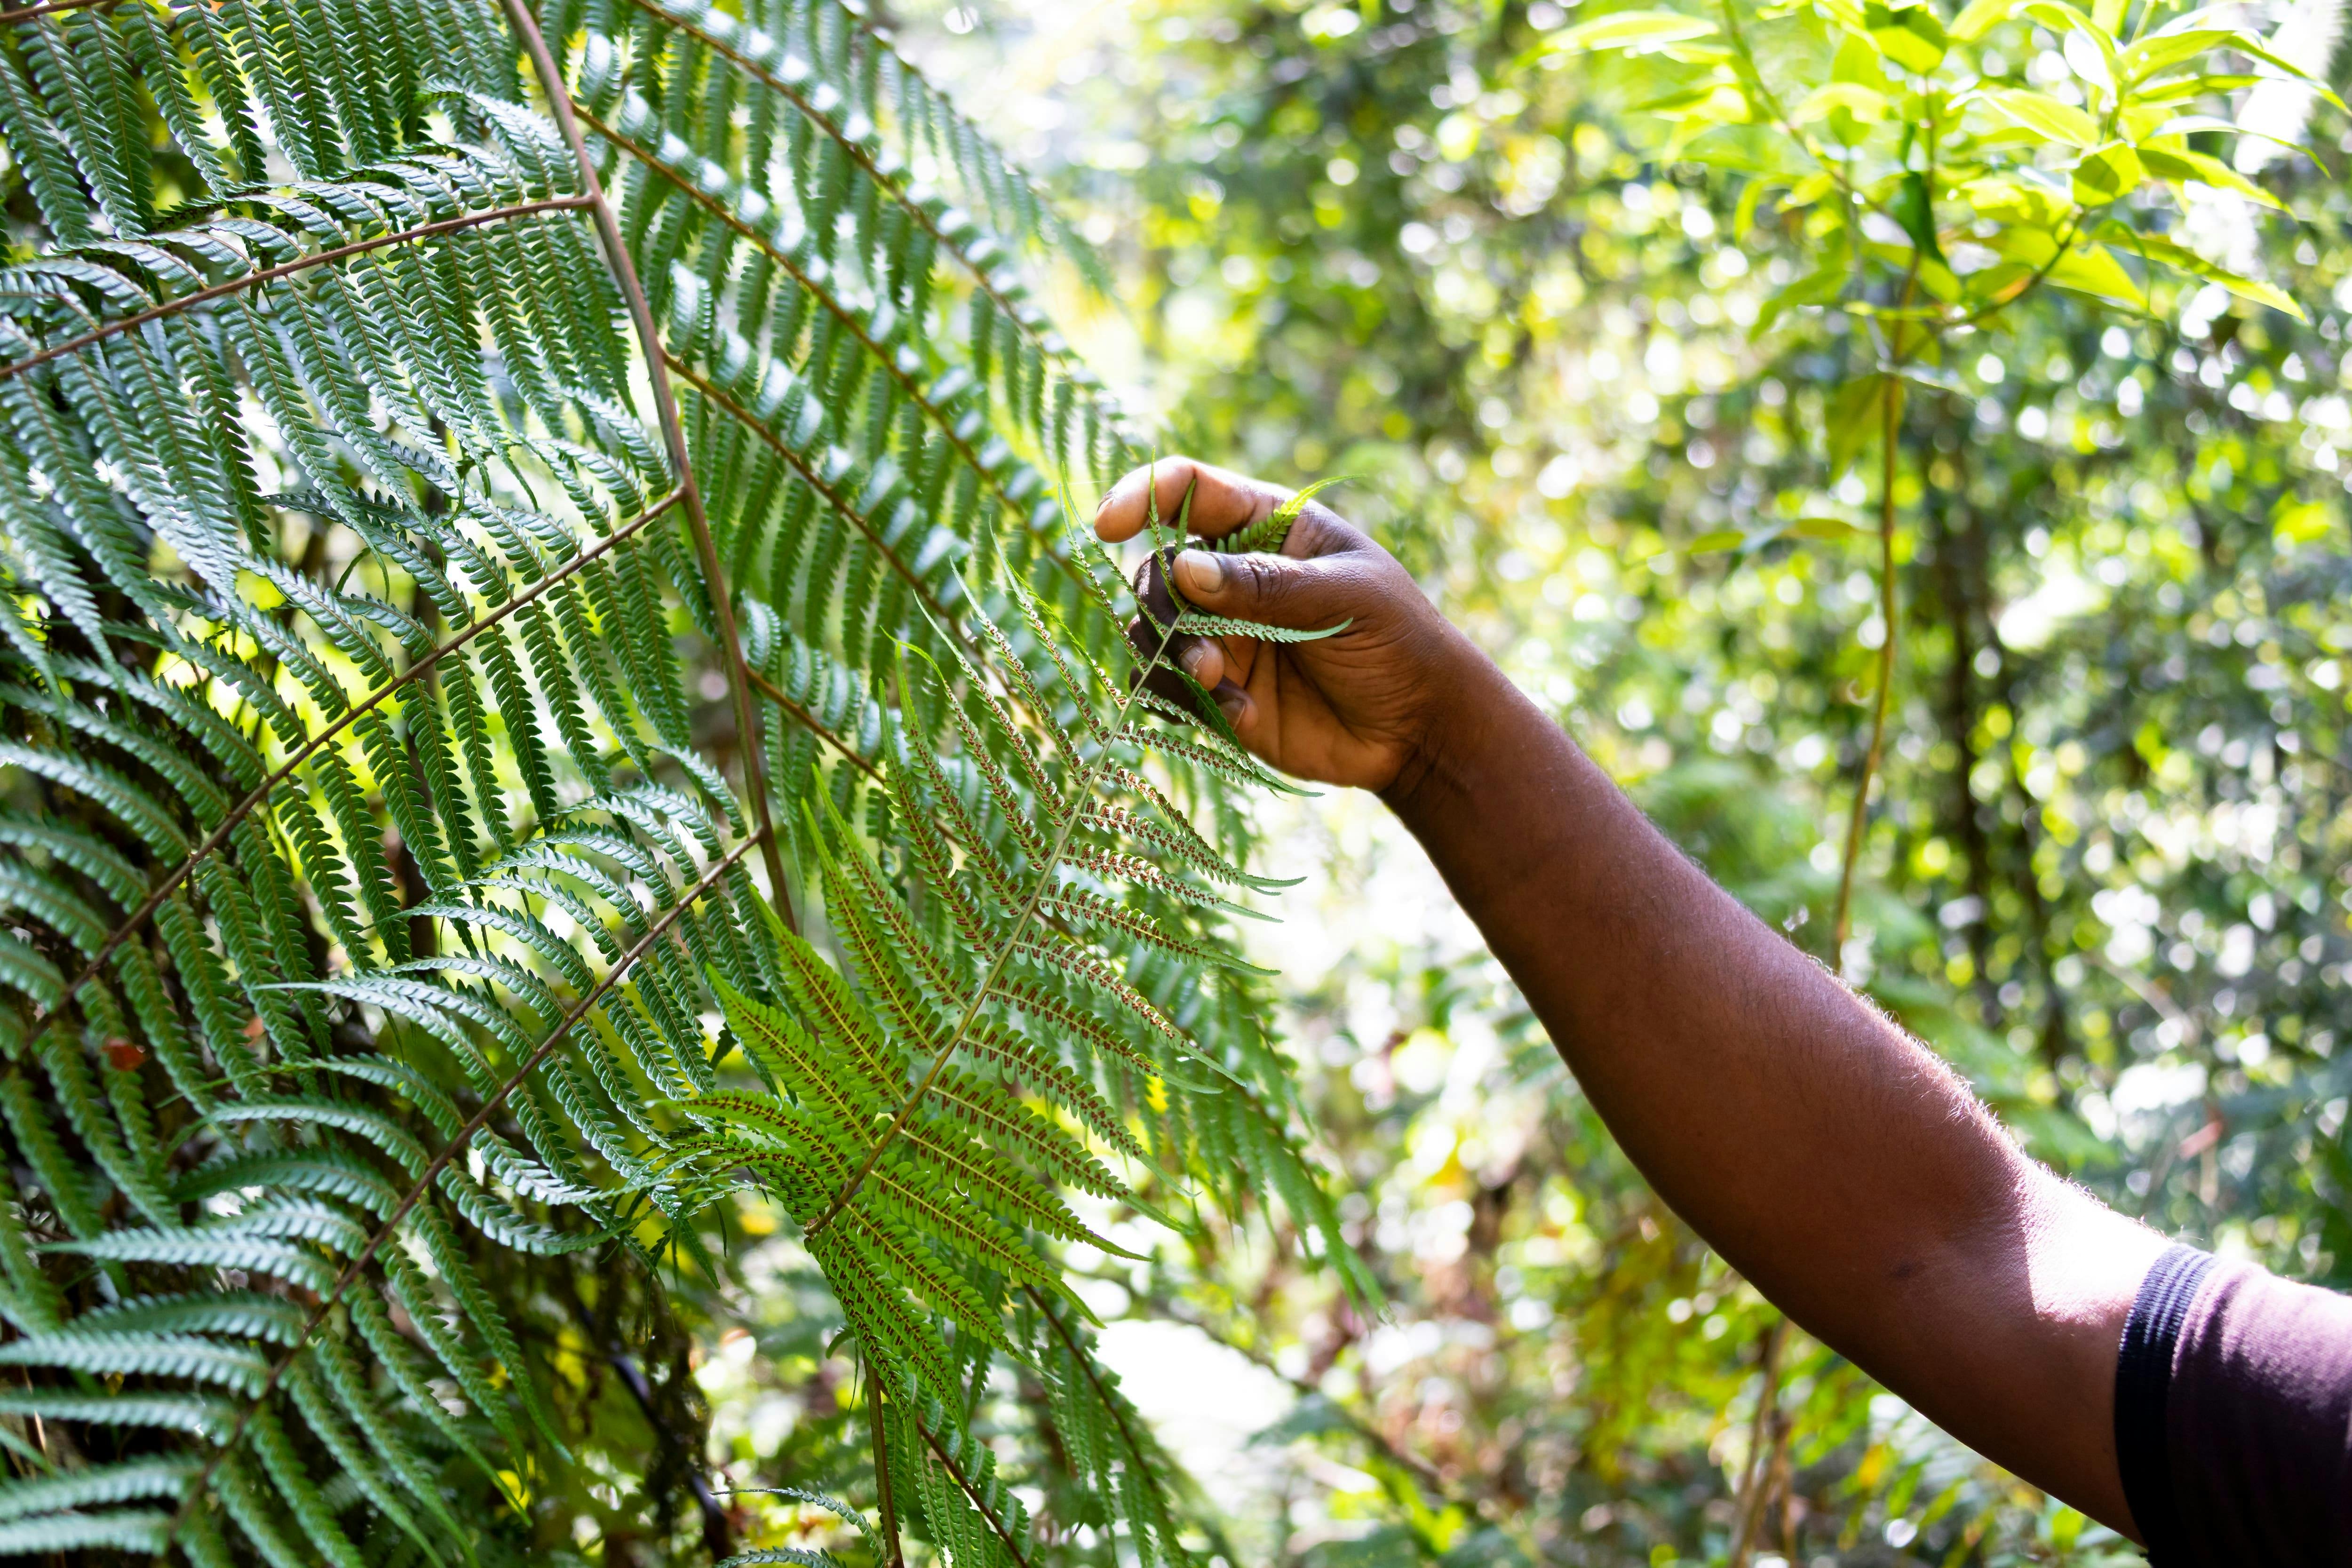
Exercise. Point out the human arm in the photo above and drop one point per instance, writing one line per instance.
(1836, 1161)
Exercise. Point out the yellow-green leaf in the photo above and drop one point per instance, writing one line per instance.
(2152, 54)
(1979, 17)
(1636, 32)
(1823, 527)
(2013, 199)
(1855, 413)
(1857, 60)
(1909, 35)
(2156, 248)
(2045, 116)
(1865, 104)
(2092, 271)
(2178, 163)
(2106, 173)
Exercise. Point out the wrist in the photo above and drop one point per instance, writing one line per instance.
(1470, 703)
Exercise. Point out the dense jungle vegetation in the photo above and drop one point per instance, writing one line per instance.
(600, 966)
(2104, 869)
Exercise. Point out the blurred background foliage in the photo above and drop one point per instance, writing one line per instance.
(2104, 869)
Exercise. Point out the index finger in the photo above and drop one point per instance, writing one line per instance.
(1222, 500)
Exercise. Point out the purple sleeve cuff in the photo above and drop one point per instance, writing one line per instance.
(2233, 1417)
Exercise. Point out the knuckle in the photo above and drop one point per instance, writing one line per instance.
(1265, 587)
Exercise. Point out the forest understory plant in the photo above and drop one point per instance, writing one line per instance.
(1931, 176)
(407, 667)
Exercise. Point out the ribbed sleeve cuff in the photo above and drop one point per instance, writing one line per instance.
(2143, 1382)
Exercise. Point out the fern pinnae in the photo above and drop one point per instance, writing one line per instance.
(132, 324)
(703, 24)
(1170, 833)
(1021, 917)
(862, 884)
(260, 793)
(991, 1508)
(1083, 907)
(987, 1107)
(1113, 865)
(343, 1442)
(859, 327)
(1017, 1061)
(1086, 1029)
(814, 478)
(332, 1291)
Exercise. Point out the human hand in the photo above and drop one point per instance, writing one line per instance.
(1359, 708)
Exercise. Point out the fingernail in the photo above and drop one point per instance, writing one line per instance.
(1192, 658)
(1103, 505)
(1230, 701)
(1202, 572)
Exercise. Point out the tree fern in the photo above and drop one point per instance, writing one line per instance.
(480, 485)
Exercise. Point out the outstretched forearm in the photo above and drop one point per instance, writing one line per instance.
(1833, 1160)
(1828, 1157)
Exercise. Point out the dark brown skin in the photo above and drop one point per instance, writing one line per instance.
(1828, 1157)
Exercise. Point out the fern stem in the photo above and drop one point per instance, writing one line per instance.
(1005, 305)
(270, 274)
(814, 726)
(1088, 778)
(261, 792)
(199, 1488)
(29, 12)
(971, 1493)
(826, 487)
(641, 313)
(1086, 1365)
(782, 259)
(884, 1504)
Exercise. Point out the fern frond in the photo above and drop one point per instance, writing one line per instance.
(373, 866)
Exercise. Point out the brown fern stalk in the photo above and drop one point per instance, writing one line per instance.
(640, 314)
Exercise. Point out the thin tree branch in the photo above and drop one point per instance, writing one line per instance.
(717, 1534)
(723, 603)
(261, 792)
(1841, 921)
(1757, 1473)
(271, 274)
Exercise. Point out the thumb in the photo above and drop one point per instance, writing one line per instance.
(1279, 590)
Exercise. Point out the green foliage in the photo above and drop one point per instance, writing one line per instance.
(400, 1051)
(1387, 240)
(1933, 185)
